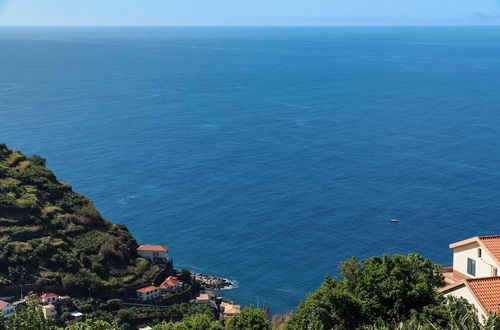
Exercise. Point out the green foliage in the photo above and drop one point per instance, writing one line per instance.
(28, 317)
(52, 235)
(93, 325)
(385, 289)
(249, 318)
(331, 306)
(196, 322)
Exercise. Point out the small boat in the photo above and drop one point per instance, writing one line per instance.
(394, 220)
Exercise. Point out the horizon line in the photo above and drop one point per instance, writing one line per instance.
(251, 26)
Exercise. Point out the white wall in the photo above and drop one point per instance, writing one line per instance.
(464, 292)
(8, 310)
(483, 268)
(152, 295)
(150, 254)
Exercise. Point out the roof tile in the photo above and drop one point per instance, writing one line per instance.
(487, 291)
(492, 243)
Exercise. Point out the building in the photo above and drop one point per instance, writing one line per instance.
(229, 309)
(474, 274)
(474, 258)
(49, 312)
(77, 316)
(208, 298)
(65, 300)
(483, 293)
(155, 253)
(49, 298)
(6, 309)
(171, 284)
(148, 293)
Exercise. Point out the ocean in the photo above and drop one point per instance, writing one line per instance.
(267, 155)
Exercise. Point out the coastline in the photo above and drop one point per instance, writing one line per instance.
(209, 282)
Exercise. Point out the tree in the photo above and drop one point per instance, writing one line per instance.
(328, 307)
(390, 287)
(28, 317)
(93, 325)
(249, 318)
(385, 289)
(195, 322)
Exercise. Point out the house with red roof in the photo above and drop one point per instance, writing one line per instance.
(483, 293)
(171, 283)
(49, 298)
(474, 274)
(155, 253)
(148, 293)
(6, 309)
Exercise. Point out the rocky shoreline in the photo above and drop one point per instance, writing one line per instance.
(208, 282)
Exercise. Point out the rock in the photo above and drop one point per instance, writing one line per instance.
(214, 283)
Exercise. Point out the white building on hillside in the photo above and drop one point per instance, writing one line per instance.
(148, 293)
(155, 253)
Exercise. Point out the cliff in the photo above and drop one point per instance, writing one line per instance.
(53, 236)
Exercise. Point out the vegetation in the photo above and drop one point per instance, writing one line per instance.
(50, 235)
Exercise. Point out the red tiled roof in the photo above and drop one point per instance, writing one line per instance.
(160, 248)
(492, 243)
(169, 282)
(3, 304)
(487, 291)
(147, 289)
(48, 295)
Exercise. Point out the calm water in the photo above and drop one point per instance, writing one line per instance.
(267, 155)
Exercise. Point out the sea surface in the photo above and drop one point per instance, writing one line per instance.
(267, 155)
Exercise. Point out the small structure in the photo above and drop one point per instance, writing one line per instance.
(208, 298)
(49, 312)
(77, 316)
(155, 253)
(17, 303)
(172, 283)
(49, 298)
(229, 309)
(6, 309)
(148, 293)
(65, 300)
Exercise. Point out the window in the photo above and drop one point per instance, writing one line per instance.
(494, 271)
(479, 252)
(471, 267)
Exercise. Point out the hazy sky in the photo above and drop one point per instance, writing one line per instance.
(247, 12)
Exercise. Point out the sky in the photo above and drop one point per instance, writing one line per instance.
(249, 12)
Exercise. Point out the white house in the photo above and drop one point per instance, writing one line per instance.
(474, 258)
(155, 253)
(49, 312)
(148, 293)
(474, 274)
(6, 309)
(170, 284)
(49, 298)
(483, 293)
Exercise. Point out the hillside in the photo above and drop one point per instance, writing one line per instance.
(50, 235)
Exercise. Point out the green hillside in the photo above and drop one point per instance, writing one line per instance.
(52, 235)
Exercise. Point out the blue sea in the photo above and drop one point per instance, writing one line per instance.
(267, 155)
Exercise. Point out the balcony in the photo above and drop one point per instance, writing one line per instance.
(451, 276)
